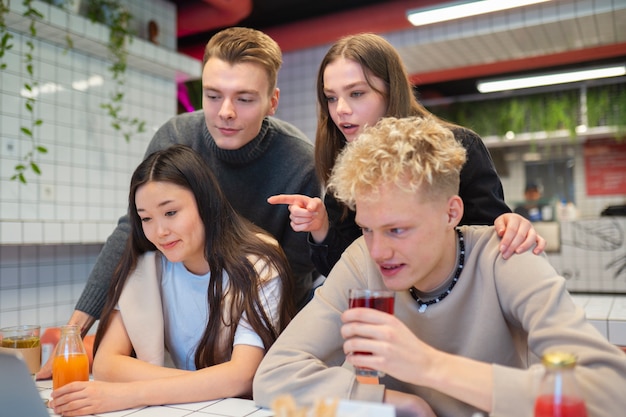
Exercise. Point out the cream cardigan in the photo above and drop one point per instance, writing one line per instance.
(141, 309)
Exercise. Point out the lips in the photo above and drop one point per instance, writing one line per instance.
(389, 270)
(169, 245)
(349, 129)
(226, 131)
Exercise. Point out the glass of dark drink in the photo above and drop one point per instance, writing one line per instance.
(382, 300)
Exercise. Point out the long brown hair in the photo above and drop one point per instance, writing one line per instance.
(229, 242)
(378, 58)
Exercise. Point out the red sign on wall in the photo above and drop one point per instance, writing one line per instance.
(605, 167)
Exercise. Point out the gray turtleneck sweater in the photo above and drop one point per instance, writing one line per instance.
(278, 161)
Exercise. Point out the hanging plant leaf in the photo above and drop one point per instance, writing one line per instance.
(35, 168)
(29, 104)
(19, 177)
(117, 17)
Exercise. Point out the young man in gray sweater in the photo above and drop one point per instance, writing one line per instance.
(253, 155)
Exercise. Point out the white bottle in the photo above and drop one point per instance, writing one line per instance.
(572, 212)
(566, 211)
(561, 212)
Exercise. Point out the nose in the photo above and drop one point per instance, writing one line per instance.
(343, 107)
(379, 247)
(227, 110)
(162, 229)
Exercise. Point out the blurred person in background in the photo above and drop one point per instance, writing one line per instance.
(532, 207)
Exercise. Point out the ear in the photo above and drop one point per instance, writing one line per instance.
(274, 102)
(455, 210)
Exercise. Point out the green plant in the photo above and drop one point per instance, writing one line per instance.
(562, 111)
(109, 12)
(5, 36)
(606, 106)
(65, 5)
(117, 18)
(548, 112)
(29, 160)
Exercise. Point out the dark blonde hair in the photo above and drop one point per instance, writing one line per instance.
(244, 45)
(410, 153)
(378, 58)
(230, 242)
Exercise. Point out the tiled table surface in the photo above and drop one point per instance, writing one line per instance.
(229, 407)
(607, 313)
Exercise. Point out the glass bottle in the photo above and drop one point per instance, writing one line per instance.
(559, 394)
(70, 362)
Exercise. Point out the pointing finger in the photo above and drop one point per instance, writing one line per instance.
(291, 199)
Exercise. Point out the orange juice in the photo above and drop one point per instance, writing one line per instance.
(69, 368)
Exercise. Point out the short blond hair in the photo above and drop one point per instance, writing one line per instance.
(237, 45)
(408, 152)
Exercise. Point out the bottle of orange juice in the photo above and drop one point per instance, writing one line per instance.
(70, 361)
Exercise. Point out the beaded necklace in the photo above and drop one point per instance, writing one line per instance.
(459, 269)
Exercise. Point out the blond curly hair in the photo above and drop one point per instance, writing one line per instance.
(410, 153)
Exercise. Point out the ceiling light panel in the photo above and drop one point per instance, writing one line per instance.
(460, 10)
(490, 86)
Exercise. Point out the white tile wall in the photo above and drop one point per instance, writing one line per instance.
(82, 189)
(296, 80)
(52, 229)
(40, 284)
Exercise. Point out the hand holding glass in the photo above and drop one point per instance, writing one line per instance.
(382, 300)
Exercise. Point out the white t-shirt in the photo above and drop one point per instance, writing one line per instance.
(185, 311)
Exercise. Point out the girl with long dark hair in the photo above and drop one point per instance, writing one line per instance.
(197, 283)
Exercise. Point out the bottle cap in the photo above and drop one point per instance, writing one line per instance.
(559, 360)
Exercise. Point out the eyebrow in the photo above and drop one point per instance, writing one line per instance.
(217, 90)
(349, 86)
(159, 205)
(390, 225)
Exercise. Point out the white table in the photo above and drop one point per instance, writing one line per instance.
(228, 407)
